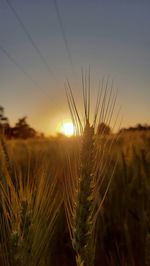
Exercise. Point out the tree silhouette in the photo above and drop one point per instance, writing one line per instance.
(20, 130)
(137, 128)
(4, 122)
(23, 130)
(103, 129)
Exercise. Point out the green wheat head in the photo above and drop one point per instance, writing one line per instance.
(83, 196)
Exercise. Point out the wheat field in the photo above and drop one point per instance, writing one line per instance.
(77, 201)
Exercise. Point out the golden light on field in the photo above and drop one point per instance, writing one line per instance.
(67, 128)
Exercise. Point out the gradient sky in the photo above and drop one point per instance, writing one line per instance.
(112, 36)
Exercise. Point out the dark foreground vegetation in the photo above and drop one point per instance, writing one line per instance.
(123, 225)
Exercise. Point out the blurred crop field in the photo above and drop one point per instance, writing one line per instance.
(33, 223)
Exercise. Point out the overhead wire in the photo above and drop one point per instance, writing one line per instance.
(20, 67)
(63, 32)
(35, 46)
(30, 38)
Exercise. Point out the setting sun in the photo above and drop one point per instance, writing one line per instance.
(67, 128)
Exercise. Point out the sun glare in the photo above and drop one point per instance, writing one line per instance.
(67, 128)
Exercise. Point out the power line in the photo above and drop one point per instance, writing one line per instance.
(12, 59)
(60, 21)
(29, 36)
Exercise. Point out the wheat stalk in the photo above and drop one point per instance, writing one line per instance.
(82, 186)
(29, 213)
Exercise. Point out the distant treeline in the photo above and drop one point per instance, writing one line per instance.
(23, 130)
(20, 130)
(138, 127)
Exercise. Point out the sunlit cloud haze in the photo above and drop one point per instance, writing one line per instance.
(113, 37)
